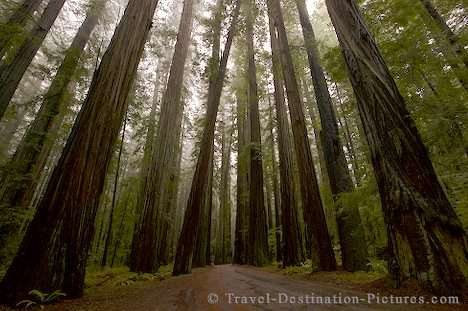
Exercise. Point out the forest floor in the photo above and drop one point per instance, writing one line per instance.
(227, 287)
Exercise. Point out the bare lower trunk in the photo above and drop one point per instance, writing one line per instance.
(202, 252)
(76, 184)
(114, 198)
(242, 196)
(426, 238)
(257, 249)
(352, 241)
(291, 250)
(188, 236)
(24, 169)
(314, 216)
(147, 244)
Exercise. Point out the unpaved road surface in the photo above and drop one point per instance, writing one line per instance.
(192, 292)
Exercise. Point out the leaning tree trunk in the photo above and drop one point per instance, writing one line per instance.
(108, 241)
(350, 231)
(292, 251)
(146, 163)
(202, 252)
(77, 181)
(314, 216)
(12, 72)
(33, 150)
(426, 238)
(146, 246)
(257, 248)
(16, 23)
(169, 194)
(188, 236)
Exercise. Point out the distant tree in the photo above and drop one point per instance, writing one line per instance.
(314, 216)
(12, 71)
(188, 235)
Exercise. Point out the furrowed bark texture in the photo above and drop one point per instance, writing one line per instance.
(202, 251)
(73, 192)
(257, 248)
(242, 195)
(314, 216)
(188, 235)
(426, 238)
(351, 234)
(148, 245)
(292, 249)
(24, 169)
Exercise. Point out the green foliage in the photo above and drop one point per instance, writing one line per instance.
(40, 299)
(367, 200)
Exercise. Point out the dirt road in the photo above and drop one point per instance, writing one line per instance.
(230, 288)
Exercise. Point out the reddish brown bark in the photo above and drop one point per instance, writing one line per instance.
(73, 192)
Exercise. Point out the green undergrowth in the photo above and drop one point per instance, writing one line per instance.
(377, 271)
(121, 276)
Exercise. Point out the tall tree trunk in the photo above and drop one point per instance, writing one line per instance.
(202, 253)
(349, 139)
(146, 246)
(120, 232)
(76, 184)
(317, 133)
(292, 251)
(24, 169)
(16, 23)
(351, 234)
(188, 236)
(225, 195)
(242, 196)
(426, 239)
(314, 216)
(169, 194)
(114, 197)
(274, 180)
(257, 249)
(145, 165)
(12, 72)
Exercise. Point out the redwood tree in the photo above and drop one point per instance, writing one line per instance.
(12, 71)
(425, 237)
(21, 174)
(351, 234)
(314, 216)
(257, 247)
(188, 235)
(292, 249)
(147, 242)
(73, 192)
